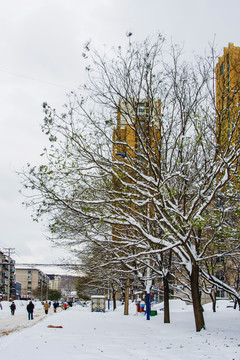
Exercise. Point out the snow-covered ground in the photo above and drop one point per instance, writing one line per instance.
(112, 336)
(9, 323)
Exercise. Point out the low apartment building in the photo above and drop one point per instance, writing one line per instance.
(34, 283)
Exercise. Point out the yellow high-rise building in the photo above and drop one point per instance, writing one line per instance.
(228, 97)
(227, 137)
(138, 128)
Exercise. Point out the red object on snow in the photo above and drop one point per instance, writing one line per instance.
(55, 326)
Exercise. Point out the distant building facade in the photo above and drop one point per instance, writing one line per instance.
(55, 282)
(7, 277)
(34, 283)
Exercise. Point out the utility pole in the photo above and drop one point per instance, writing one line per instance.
(9, 251)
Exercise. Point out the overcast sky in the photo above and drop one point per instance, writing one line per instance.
(41, 46)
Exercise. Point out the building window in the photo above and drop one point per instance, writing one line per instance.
(220, 275)
(222, 68)
(220, 294)
(220, 204)
(220, 260)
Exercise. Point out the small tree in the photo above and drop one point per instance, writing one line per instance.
(54, 295)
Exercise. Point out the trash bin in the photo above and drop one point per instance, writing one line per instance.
(153, 312)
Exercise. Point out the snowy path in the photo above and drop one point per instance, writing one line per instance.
(19, 322)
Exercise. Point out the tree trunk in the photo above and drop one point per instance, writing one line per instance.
(236, 301)
(114, 299)
(197, 307)
(126, 300)
(213, 298)
(166, 300)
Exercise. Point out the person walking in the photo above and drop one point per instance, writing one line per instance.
(30, 308)
(46, 307)
(1, 307)
(55, 306)
(13, 308)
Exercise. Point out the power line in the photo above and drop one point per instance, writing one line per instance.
(34, 79)
(34, 264)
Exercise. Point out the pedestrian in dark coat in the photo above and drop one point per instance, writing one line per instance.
(55, 306)
(30, 308)
(13, 308)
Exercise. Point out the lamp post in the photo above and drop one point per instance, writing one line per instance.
(108, 297)
(148, 287)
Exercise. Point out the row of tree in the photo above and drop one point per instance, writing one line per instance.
(164, 205)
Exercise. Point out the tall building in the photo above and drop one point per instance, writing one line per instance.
(228, 96)
(228, 135)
